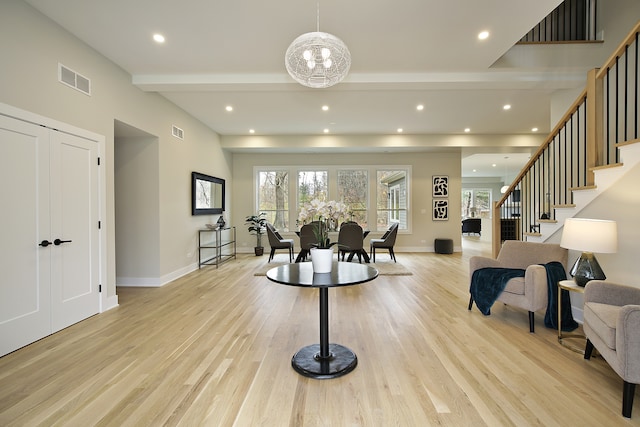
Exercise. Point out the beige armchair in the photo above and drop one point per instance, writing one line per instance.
(531, 291)
(612, 326)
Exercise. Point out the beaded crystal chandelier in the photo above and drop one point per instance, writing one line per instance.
(317, 59)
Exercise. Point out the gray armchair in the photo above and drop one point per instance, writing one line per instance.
(531, 291)
(612, 326)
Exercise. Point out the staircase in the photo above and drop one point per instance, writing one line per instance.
(594, 144)
(605, 178)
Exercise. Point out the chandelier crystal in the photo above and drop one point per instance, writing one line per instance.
(317, 59)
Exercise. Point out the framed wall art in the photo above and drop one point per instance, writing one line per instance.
(440, 209)
(440, 186)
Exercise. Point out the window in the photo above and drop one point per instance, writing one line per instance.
(377, 197)
(353, 187)
(476, 203)
(273, 197)
(392, 199)
(312, 185)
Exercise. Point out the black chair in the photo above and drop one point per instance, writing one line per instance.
(277, 242)
(350, 239)
(387, 241)
(308, 240)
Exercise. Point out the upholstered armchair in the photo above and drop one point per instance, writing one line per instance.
(531, 291)
(612, 326)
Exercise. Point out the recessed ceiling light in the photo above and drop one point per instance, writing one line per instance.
(252, 131)
(534, 129)
(493, 165)
(475, 170)
(506, 107)
(228, 108)
(325, 108)
(483, 35)
(420, 107)
(400, 130)
(158, 38)
(326, 131)
(467, 130)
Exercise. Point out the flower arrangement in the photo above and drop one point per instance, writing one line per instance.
(327, 214)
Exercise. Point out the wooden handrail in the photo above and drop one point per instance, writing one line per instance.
(593, 140)
(619, 51)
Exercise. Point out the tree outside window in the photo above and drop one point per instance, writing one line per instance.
(476, 203)
(273, 197)
(353, 187)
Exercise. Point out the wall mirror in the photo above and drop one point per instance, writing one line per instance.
(207, 194)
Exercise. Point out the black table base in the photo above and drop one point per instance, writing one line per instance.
(308, 362)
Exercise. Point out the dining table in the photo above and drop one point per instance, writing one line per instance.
(302, 255)
(323, 360)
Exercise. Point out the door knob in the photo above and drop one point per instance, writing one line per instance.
(44, 243)
(58, 242)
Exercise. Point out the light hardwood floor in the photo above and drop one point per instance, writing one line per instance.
(214, 348)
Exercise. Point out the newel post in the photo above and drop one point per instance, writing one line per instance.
(595, 128)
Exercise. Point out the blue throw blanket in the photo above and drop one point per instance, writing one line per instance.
(556, 273)
(488, 283)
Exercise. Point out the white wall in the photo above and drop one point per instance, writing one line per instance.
(424, 166)
(137, 206)
(31, 46)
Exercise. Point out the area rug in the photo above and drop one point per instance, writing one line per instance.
(385, 268)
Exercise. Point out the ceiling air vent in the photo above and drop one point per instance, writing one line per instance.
(177, 132)
(77, 81)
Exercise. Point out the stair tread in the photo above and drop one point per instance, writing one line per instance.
(548, 221)
(585, 187)
(612, 165)
(631, 142)
(569, 205)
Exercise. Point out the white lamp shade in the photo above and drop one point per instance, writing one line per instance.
(590, 235)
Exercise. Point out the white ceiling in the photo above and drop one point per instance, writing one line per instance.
(404, 53)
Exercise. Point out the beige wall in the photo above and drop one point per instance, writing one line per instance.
(31, 46)
(423, 164)
(620, 203)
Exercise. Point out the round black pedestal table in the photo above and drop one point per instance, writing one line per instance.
(323, 360)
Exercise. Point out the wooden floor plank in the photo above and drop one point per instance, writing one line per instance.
(214, 348)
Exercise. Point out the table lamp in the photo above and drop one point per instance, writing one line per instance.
(589, 236)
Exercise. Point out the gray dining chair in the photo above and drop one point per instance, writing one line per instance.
(387, 241)
(350, 240)
(307, 240)
(277, 242)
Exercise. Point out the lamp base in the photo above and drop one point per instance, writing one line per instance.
(586, 268)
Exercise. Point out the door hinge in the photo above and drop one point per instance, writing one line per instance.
(98, 161)
(99, 225)
(99, 288)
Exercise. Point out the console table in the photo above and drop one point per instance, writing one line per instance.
(216, 246)
(324, 360)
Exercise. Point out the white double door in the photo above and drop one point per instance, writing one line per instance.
(49, 248)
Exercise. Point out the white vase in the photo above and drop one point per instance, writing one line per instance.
(321, 260)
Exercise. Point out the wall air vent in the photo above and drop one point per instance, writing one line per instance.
(77, 81)
(177, 132)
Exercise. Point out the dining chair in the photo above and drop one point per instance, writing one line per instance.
(351, 240)
(277, 242)
(387, 241)
(307, 240)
